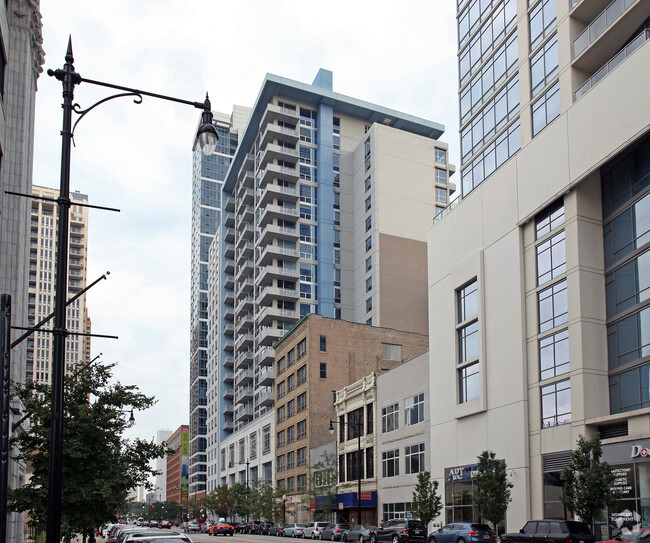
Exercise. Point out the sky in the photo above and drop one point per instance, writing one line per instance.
(138, 158)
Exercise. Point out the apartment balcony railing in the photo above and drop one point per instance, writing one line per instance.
(273, 151)
(268, 273)
(244, 376)
(227, 376)
(280, 113)
(228, 393)
(243, 394)
(272, 190)
(275, 293)
(265, 356)
(229, 265)
(228, 361)
(270, 314)
(243, 360)
(275, 171)
(244, 286)
(244, 323)
(268, 336)
(273, 251)
(613, 63)
(273, 231)
(246, 176)
(274, 211)
(249, 161)
(243, 339)
(244, 413)
(273, 131)
(610, 14)
(265, 398)
(267, 376)
(229, 219)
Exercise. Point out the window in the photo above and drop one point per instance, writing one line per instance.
(302, 348)
(546, 108)
(291, 408)
(302, 429)
(291, 382)
(554, 355)
(414, 458)
(369, 284)
(553, 306)
(266, 439)
(368, 183)
(368, 222)
(281, 389)
(302, 456)
(302, 482)
(302, 402)
(390, 463)
(369, 304)
(291, 485)
(629, 338)
(281, 438)
(414, 409)
(556, 404)
(551, 258)
(302, 374)
(291, 460)
(628, 285)
(441, 176)
(543, 21)
(548, 220)
(323, 370)
(291, 434)
(468, 343)
(390, 418)
(323, 343)
(281, 462)
(441, 195)
(368, 203)
(369, 263)
(370, 419)
(543, 66)
(368, 243)
(291, 356)
(370, 462)
(441, 156)
(281, 413)
(252, 440)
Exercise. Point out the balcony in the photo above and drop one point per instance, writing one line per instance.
(244, 377)
(265, 356)
(243, 394)
(274, 211)
(229, 219)
(228, 345)
(268, 294)
(273, 190)
(244, 235)
(265, 398)
(267, 376)
(615, 25)
(249, 161)
(227, 376)
(229, 281)
(268, 336)
(229, 312)
(613, 63)
(279, 113)
(273, 251)
(244, 360)
(229, 249)
(270, 314)
(229, 235)
(228, 361)
(245, 323)
(228, 394)
(272, 231)
(245, 269)
(269, 273)
(274, 171)
(243, 341)
(246, 177)
(228, 296)
(227, 425)
(229, 265)
(274, 132)
(229, 329)
(244, 286)
(246, 197)
(245, 251)
(274, 151)
(230, 204)
(244, 413)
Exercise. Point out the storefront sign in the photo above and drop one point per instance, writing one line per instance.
(638, 451)
(623, 485)
(457, 474)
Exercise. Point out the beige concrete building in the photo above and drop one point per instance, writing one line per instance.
(42, 257)
(317, 358)
(540, 317)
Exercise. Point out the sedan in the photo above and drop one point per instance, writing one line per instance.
(334, 532)
(277, 529)
(295, 530)
(222, 528)
(360, 533)
(192, 526)
(463, 532)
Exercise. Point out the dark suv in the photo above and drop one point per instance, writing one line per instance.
(401, 530)
(551, 531)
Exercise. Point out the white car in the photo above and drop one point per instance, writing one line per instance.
(313, 529)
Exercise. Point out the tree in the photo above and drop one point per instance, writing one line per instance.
(220, 502)
(427, 504)
(587, 486)
(100, 467)
(491, 488)
(263, 498)
(321, 489)
(242, 501)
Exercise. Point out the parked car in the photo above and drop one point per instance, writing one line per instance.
(401, 530)
(629, 535)
(277, 529)
(222, 528)
(313, 529)
(262, 528)
(158, 537)
(295, 529)
(205, 527)
(462, 532)
(334, 532)
(360, 533)
(551, 531)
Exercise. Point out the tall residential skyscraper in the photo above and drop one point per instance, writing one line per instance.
(21, 60)
(207, 178)
(541, 302)
(42, 257)
(327, 202)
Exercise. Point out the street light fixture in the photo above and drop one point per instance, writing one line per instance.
(359, 425)
(207, 137)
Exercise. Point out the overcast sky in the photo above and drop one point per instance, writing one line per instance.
(401, 55)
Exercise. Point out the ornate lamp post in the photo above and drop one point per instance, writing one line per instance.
(206, 136)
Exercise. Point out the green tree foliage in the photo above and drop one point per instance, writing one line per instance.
(221, 502)
(427, 504)
(491, 488)
(588, 481)
(100, 467)
(196, 508)
(264, 498)
(241, 495)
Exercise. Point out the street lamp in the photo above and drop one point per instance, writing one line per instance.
(359, 425)
(284, 508)
(207, 137)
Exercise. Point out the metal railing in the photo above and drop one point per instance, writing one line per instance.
(599, 25)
